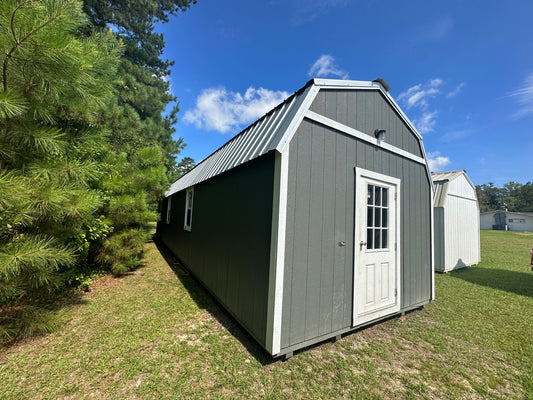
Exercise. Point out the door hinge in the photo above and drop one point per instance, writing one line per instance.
(395, 196)
(395, 292)
(395, 246)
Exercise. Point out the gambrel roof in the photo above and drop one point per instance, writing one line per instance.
(448, 176)
(274, 130)
(442, 181)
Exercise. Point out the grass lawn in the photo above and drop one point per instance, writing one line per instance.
(157, 334)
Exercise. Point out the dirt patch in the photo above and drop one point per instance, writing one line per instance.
(105, 282)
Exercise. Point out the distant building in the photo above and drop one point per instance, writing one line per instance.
(507, 221)
(456, 213)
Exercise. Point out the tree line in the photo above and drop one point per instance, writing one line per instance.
(514, 196)
(86, 146)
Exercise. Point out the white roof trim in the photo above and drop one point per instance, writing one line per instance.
(451, 175)
(345, 83)
(310, 95)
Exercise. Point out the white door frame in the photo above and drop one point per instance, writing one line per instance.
(360, 175)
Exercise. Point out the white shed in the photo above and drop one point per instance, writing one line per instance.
(456, 213)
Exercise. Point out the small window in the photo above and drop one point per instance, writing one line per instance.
(377, 218)
(188, 209)
(168, 209)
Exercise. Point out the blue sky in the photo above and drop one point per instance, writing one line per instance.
(462, 71)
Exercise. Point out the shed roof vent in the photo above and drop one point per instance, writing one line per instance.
(382, 83)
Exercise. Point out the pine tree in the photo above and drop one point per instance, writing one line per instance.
(85, 148)
(184, 166)
(143, 72)
(55, 87)
(145, 153)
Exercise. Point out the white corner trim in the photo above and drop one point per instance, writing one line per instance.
(362, 136)
(277, 253)
(312, 91)
(432, 211)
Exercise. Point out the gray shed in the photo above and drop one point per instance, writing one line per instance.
(313, 221)
(457, 243)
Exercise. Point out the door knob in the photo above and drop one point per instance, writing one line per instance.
(362, 243)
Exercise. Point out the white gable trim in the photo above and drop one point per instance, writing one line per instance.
(312, 91)
(362, 136)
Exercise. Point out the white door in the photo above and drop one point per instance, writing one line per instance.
(376, 247)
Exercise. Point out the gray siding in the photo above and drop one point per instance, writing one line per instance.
(228, 248)
(318, 281)
(366, 110)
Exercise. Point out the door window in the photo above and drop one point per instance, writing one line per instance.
(377, 217)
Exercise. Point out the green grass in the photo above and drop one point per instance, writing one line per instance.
(157, 334)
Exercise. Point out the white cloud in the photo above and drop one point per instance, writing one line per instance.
(426, 122)
(218, 109)
(455, 91)
(418, 95)
(325, 67)
(437, 162)
(435, 82)
(524, 97)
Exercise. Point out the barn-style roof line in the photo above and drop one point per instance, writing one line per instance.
(272, 132)
(442, 180)
(448, 176)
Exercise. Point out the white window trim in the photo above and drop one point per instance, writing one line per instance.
(189, 190)
(169, 205)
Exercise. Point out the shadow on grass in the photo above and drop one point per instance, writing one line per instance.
(21, 321)
(206, 301)
(520, 283)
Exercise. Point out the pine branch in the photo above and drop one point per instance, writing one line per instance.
(19, 43)
(34, 254)
(11, 105)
